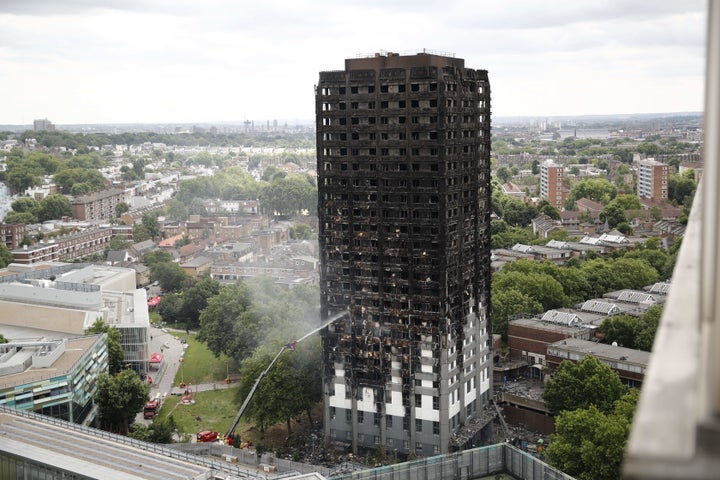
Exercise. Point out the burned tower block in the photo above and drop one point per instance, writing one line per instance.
(403, 163)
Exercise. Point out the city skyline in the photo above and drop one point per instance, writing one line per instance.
(153, 61)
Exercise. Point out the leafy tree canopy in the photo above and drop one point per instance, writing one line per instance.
(66, 178)
(119, 399)
(195, 299)
(589, 444)
(598, 189)
(115, 350)
(157, 256)
(506, 303)
(582, 384)
(170, 276)
(54, 207)
(541, 287)
(290, 388)
(27, 218)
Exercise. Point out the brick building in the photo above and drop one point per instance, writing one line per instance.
(652, 179)
(99, 205)
(11, 234)
(552, 188)
(628, 363)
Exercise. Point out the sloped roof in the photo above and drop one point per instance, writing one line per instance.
(660, 287)
(599, 306)
(519, 247)
(563, 318)
(634, 296)
(558, 244)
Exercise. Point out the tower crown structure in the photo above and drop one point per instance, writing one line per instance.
(403, 161)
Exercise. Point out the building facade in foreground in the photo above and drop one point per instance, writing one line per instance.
(403, 159)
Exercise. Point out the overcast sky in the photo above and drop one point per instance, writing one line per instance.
(126, 61)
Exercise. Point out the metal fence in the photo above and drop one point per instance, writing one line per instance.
(241, 471)
(465, 465)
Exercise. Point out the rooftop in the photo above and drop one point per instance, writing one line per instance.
(75, 348)
(603, 351)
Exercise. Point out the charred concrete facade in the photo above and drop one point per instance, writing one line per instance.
(403, 159)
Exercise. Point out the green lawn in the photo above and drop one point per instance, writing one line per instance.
(212, 410)
(200, 365)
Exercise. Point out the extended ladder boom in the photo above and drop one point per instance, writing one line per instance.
(291, 346)
(250, 395)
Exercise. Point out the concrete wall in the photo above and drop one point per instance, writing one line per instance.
(45, 318)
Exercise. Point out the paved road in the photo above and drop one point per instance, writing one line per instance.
(164, 378)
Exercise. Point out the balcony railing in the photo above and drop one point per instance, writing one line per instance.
(676, 431)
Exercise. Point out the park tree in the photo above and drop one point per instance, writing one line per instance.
(43, 162)
(197, 207)
(115, 350)
(176, 210)
(121, 208)
(598, 189)
(613, 214)
(507, 236)
(169, 308)
(540, 287)
(289, 389)
(513, 210)
(549, 210)
(25, 204)
(66, 178)
(119, 243)
(195, 299)
(582, 384)
(6, 256)
(620, 329)
(506, 303)
(654, 257)
(646, 328)
(170, 276)
(80, 189)
(606, 275)
(151, 225)
(503, 174)
(161, 430)
(680, 189)
(54, 207)
(88, 161)
(227, 326)
(573, 282)
(289, 195)
(119, 399)
(157, 256)
(627, 202)
(22, 178)
(589, 444)
(21, 217)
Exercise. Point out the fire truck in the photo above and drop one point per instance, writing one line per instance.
(152, 407)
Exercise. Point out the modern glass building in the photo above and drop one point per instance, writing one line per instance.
(56, 378)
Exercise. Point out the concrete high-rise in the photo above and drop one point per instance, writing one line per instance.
(652, 180)
(552, 187)
(403, 160)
